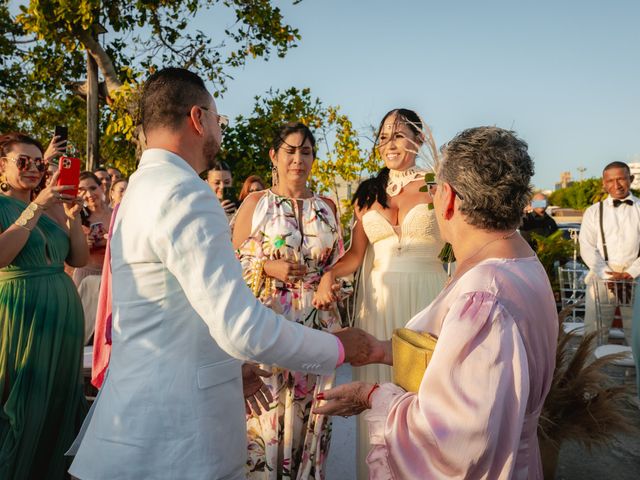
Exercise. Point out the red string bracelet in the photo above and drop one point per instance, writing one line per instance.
(375, 385)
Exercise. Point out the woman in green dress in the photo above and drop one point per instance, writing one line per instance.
(41, 322)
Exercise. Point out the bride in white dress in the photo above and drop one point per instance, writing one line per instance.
(396, 241)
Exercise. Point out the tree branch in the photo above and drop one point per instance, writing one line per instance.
(105, 64)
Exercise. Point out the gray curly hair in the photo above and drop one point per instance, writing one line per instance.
(490, 169)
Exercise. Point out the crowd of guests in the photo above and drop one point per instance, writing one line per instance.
(178, 282)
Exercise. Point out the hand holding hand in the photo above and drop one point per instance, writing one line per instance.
(285, 270)
(255, 392)
(360, 347)
(325, 294)
(345, 400)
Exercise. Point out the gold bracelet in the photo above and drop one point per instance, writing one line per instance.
(28, 215)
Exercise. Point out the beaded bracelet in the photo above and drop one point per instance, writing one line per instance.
(375, 385)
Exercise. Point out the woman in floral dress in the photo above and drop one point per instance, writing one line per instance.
(286, 237)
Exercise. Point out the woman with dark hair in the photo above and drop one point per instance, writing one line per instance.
(474, 410)
(253, 183)
(96, 219)
(286, 238)
(396, 241)
(42, 405)
(220, 180)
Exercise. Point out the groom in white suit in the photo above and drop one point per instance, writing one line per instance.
(172, 405)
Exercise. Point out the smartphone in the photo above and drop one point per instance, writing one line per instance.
(229, 193)
(539, 204)
(63, 133)
(69, 168)
(96, 230)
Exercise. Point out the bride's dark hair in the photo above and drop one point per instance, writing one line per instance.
(374, 189)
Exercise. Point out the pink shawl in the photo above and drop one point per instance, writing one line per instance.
(102, 335)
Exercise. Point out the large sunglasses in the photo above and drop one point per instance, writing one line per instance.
(24, 162)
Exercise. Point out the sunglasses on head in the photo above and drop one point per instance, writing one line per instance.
(23, 162)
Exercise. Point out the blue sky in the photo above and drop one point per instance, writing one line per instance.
(564, 74)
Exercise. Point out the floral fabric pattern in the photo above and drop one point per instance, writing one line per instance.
(288, 441)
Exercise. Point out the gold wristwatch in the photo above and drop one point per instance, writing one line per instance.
(27, 214)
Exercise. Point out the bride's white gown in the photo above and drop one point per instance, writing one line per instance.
(401, 276)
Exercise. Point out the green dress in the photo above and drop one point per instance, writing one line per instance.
(41, 340)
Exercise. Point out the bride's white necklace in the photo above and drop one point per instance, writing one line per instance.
(398, 179)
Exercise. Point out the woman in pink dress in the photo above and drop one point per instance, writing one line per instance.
(475, 414)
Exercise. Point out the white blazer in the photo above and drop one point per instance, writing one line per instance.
(171, 406)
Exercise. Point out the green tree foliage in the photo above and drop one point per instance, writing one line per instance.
(579, 195)
(341, 158)
(552, 249)
(43, 58)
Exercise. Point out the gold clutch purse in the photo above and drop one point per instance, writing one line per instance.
(412, 353)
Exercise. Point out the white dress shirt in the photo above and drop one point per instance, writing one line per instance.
(622, 233)
(171, 406)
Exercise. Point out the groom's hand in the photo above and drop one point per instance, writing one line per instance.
(360, 347)
(256, 393)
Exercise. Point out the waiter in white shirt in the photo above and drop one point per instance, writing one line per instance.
(610, 243)
(172, 406)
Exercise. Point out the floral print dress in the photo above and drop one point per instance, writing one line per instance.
(288, 441)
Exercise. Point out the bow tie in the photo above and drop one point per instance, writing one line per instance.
(617, 203)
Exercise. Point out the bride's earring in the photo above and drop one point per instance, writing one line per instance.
(274, 176)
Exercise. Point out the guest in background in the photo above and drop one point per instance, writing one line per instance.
(220, 180)
(118, 187)
(475, 414)
(96, 220)
(104, 179)
(41, 325)
(536, 220)
(114, 173)
(286, 238)
(253, 183)
(51, 170)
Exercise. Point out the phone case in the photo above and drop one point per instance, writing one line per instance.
(69, 174)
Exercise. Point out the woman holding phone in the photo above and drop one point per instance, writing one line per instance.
(220, 180)
(96, 219)
(42, 405)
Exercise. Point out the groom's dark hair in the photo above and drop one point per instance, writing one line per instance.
(168, 95)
